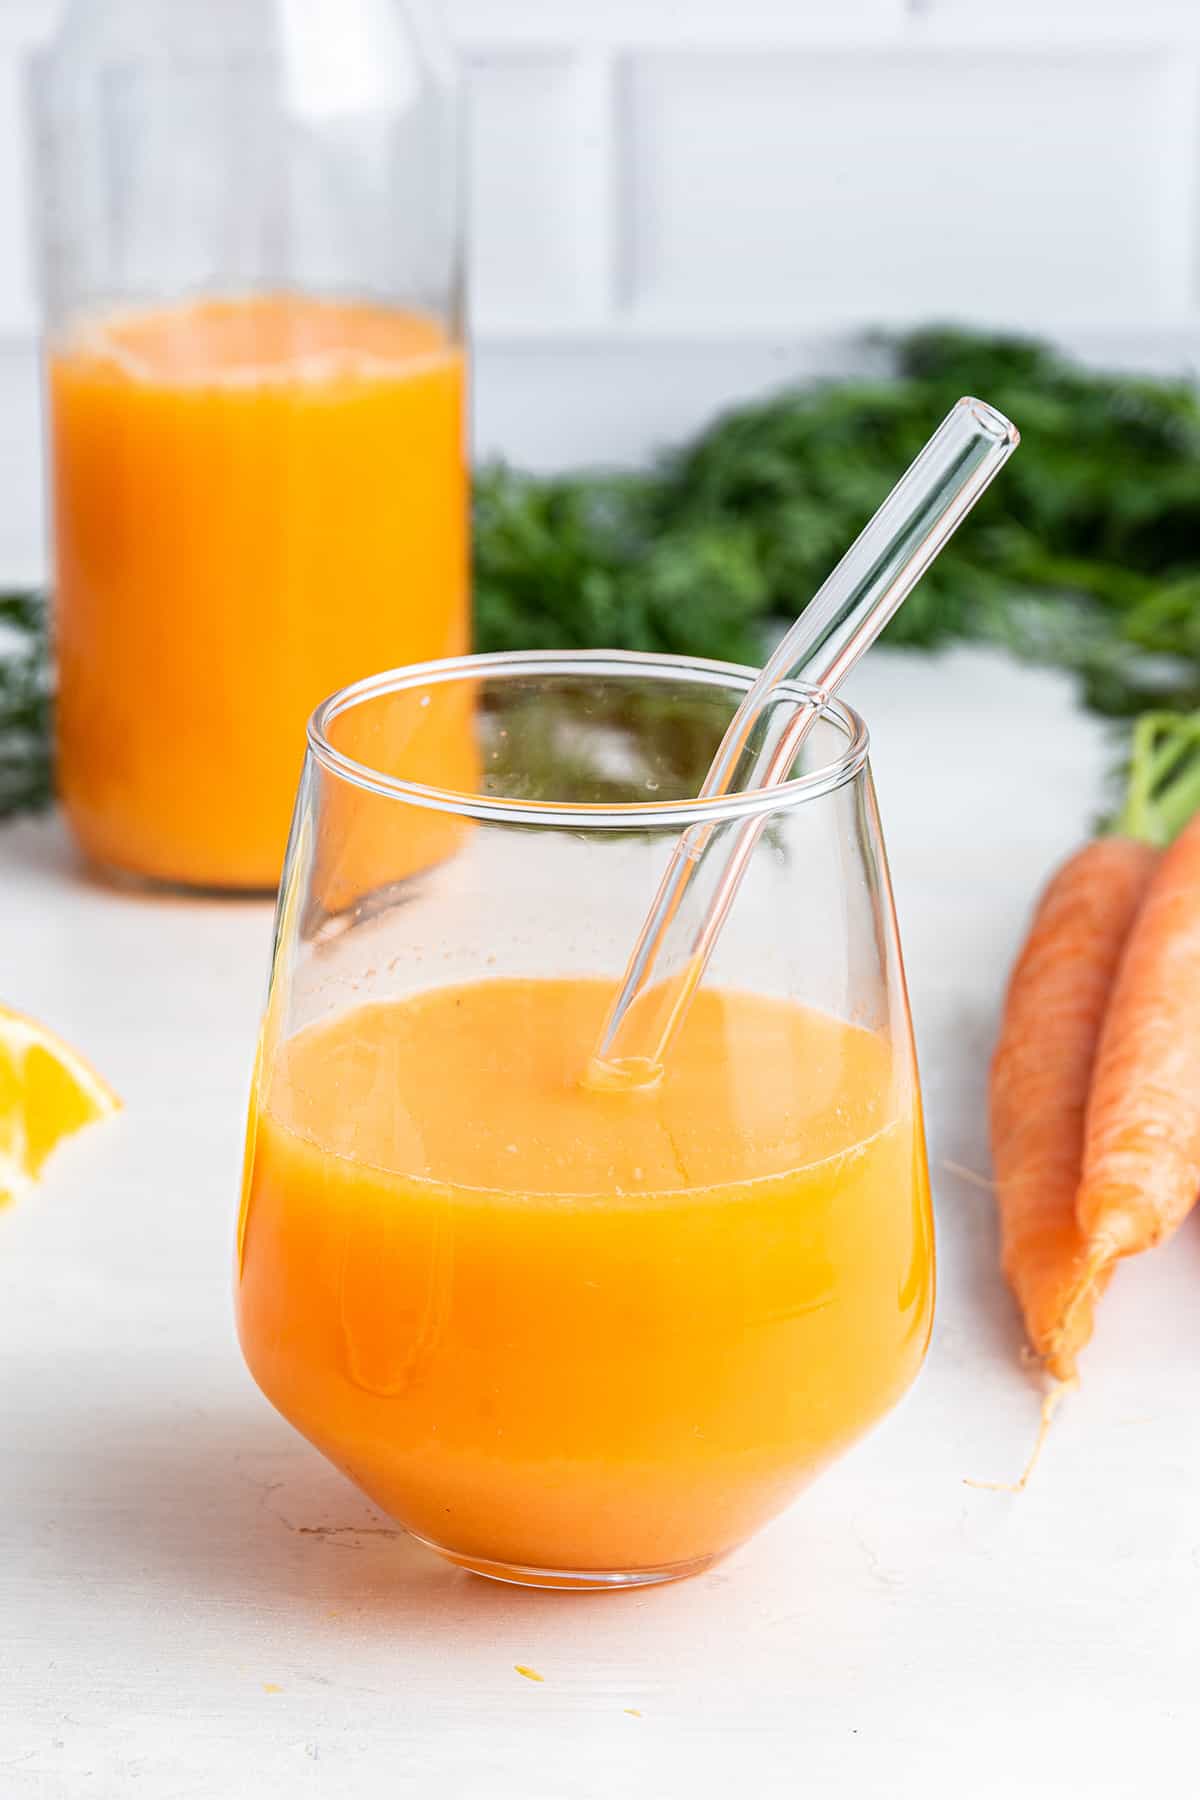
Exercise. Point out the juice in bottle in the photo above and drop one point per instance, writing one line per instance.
(256, 500)
(564, 1331)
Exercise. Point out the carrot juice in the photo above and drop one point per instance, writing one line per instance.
(566, 1331)
(255, 501)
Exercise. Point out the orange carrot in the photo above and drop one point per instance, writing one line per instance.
(1040, 1079)
(1141, 1163)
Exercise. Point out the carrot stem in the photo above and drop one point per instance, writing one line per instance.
(1163, 789)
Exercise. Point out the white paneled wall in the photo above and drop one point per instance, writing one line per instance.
(541, 209)
(850, 185)
(677, 202)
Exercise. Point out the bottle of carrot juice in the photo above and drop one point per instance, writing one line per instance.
(256, 403)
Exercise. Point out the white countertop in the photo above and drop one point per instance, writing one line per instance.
(194, 1606)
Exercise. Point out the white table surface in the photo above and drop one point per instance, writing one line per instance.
(193, 1606)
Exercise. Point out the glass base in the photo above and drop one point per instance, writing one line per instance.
(579, 1581)
(167, 887)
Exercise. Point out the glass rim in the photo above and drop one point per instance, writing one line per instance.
(623, 816)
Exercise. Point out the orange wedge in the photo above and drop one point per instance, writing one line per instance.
(47, 1092)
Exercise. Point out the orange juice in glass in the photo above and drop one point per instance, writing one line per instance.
(254, 499)
(573, 1337)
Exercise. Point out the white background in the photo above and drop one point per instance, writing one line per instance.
(678, 202)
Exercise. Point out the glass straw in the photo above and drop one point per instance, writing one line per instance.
(760, 746)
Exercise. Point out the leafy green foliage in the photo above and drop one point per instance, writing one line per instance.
(24, 704)
(593, 562)
(1085, 554)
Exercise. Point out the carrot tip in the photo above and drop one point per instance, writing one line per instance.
(1074, 1329)
(1051, 1401)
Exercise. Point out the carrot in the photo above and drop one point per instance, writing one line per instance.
(1040, 1078)
(1141, 1161)
(1095, 1135)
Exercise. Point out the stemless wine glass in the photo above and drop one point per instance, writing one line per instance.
(568, 1335)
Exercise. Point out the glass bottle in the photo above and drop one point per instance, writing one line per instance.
(256, 388)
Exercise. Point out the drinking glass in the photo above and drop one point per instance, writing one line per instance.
(577, 1335)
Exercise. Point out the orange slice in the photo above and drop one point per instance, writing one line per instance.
(47, 1092)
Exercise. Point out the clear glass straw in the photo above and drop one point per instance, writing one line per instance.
(759, 749)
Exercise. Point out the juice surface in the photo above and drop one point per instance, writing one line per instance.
(255, 501)
(573, 1330)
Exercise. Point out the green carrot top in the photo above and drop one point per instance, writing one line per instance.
(1163, 787)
